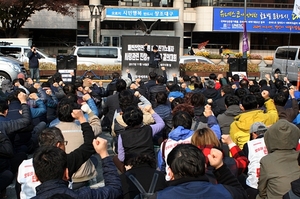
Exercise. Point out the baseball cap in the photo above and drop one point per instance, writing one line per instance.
(258, 126)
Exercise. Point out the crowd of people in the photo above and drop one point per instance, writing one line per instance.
(189, 137)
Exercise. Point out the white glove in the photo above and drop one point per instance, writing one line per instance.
(85, 108)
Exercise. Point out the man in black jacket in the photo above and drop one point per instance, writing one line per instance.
(53, 137)
(154, 58)
(9, 161)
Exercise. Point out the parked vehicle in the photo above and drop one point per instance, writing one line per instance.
(287, 61)
(10, 68)
(198, 59)
(20, 53)
(103, 55)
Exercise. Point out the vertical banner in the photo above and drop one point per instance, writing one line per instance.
(296, 9)
(136, 60)
(245, 38)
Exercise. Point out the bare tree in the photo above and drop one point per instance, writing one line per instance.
(14, 13)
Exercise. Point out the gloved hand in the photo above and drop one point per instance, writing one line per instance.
(85, 108)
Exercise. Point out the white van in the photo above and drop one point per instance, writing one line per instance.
(287, 61)
(20, 53)
(103, 55)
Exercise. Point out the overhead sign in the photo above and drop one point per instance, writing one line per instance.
(258, 20)
(136, 60)
(136, 13)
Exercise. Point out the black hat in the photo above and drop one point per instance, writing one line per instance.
(155, 47)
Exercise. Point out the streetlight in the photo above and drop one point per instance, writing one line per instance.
(96, 11)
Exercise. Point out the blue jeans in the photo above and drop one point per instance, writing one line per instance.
(35, 73)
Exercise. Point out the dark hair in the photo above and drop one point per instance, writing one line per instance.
(115, 75)
(198, 85)
(186, 78)
(182, 118)
(15, 81)
(259, 98)
(45, 84)
(194, 79)
(240, 92)
(57, 77)
(186, 160)
(132, 116)
(280, 99)
(187, 97)
(50, 137)
(14, 95)
(176, 101)
(3, 105)
(49, 163)
(249, 102)
(126, 99)
(155, 48)
(244, 83)
(236, 77)
(227, 89)
(161, 98)
(78, 83)
(120, 85)
(279, 83)
(263, 82)
(172, 86)
(198, 100)
(152, 75)
(64, 110)
(212, 76)
(69, 88)
(32, 90)
(139, 159)
(160, 79)
(254, 88)
(231, 100)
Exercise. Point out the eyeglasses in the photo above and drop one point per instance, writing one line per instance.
(65, 143)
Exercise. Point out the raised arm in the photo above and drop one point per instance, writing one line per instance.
(14, 125)
(112, 188)
(84, 152)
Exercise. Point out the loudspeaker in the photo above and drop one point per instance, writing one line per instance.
(72, 62)
(233, 64)
(66, 62)
(243, 64)
(61, 62)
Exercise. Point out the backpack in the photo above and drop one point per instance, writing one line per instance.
(143, 194)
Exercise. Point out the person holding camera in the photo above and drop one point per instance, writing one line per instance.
(34, 57)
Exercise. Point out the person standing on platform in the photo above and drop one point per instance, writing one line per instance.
(154, 58)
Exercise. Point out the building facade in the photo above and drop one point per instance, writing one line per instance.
(269, 24)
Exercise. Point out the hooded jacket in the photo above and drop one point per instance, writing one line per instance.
(240, 127)
(280, 167)
(179, 135)
(227, 118)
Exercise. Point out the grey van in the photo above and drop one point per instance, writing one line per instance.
(287, 61)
